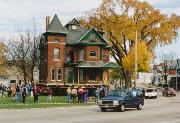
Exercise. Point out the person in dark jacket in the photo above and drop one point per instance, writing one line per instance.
(24, 94)
(35, 93)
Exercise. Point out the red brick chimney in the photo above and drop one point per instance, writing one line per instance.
(47, 22)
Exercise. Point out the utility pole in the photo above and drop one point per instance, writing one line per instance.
(177, 65)
(135, 79)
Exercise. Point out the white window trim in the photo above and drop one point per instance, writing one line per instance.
(59, 74)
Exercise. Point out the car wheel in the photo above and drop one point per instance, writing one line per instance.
(174, 94)
(103, 109)
(155, 97)
(121, 108)
(139, 106)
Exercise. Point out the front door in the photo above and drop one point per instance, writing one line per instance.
(70, 76)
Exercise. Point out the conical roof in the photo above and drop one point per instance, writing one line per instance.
(56, 26)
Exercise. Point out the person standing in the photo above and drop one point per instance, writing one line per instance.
(69, 94)
(24, 94)
(18, 94)
(80, 95)
(3, 90)
(35, 92)
(13, 91)
(85, 96)
(97, 94)
(74, 94)
(49, 94)
(9, 90)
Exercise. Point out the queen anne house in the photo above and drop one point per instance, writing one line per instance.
(71, 55)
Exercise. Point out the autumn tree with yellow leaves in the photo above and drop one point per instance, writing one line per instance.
(3, 52)
(120, 19)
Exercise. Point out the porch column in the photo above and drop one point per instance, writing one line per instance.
(78, 77)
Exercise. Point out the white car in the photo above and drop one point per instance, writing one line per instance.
(151, 93)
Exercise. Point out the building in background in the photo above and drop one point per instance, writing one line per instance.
(72, 55)
(173, 73)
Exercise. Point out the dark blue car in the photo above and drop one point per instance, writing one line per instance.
(121, 99)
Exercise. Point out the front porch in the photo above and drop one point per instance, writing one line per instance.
(89, 73)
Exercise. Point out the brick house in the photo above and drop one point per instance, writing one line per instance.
(72, 55)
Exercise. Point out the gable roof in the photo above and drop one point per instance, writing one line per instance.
(75, 36)
(73, 22)
(56, 26)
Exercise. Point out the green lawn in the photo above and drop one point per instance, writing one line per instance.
(57, 101)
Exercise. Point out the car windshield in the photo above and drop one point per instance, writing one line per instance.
(117, 93)
(149, 90)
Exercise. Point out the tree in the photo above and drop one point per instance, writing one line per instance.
(166, 59)
(144, 58)
(120, 19)
(3, 51)
(117, 77)
(24, 54)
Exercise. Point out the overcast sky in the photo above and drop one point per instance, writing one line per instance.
(15, 14)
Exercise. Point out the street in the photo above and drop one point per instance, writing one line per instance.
(160, 110)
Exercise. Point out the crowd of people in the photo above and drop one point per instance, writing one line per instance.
(77, 95)
(81, 95)
(19, 92)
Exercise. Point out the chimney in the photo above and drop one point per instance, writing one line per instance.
(47, 22)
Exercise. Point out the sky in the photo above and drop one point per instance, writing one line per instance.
(16, 14)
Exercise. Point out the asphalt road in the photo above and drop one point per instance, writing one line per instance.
(160, 110)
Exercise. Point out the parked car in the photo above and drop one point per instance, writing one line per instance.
(168, 92)
(121, 99)
(151, 93)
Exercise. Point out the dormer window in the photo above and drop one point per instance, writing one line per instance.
(93, 38)
(74, 27)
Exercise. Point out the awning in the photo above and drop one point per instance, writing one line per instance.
(111, 65)
(92, 64)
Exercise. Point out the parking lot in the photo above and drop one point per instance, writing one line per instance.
(160, 110)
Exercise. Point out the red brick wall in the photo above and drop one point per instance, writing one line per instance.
(105, 55)
(87, 56)
(56, 63)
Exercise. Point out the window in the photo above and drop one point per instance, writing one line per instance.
(56, 54)
(81, 55)
(74, 27)
(93, 37)
(52, 74)
(92, 75)
(59, 74)
(93, 53)
(81, 74)
(104, 56)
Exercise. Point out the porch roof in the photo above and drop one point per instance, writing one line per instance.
(111, 65)
(93, 64)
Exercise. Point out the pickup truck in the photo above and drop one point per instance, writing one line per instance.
(121, 99)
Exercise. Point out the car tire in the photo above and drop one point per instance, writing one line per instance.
(174, 94)
(103, 109)
(139, 106)
(155, 97)
(121, 108)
